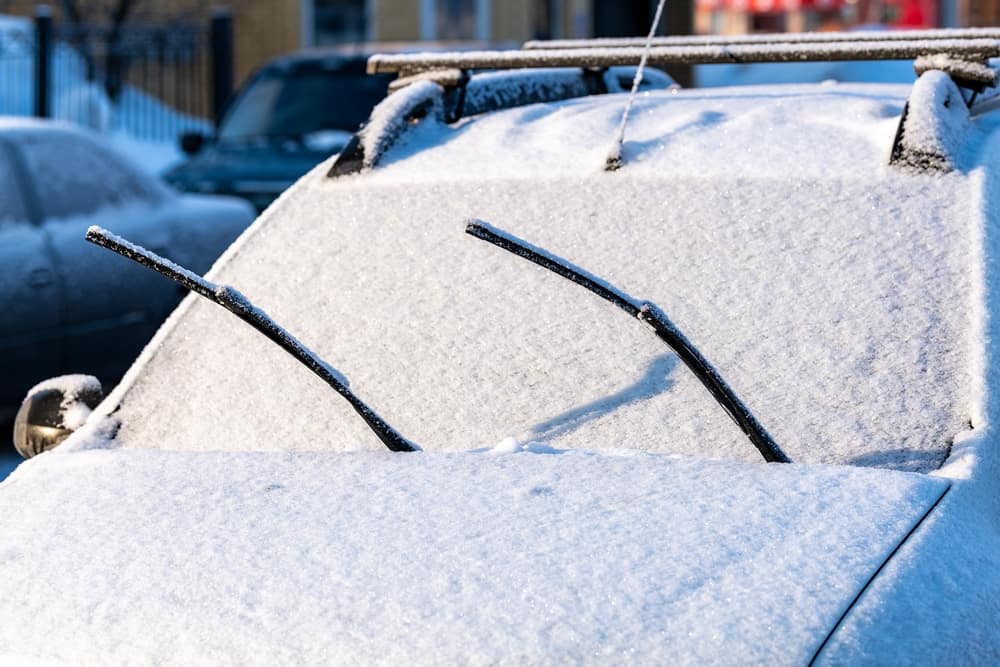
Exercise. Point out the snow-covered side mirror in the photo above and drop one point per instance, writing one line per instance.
(54, 409)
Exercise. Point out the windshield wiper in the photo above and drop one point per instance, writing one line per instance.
(233, 301)
(652, 316)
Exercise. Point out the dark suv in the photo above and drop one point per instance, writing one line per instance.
(291, 114)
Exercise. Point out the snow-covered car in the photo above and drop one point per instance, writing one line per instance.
(726, 397)
(65, 305)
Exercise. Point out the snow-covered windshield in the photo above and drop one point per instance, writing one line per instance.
(299, 102)
(830, 291)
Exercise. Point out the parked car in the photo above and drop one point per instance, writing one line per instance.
(292, 113)
(64, 305)
(721, 393)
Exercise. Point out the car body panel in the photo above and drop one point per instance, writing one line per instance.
(510, 555)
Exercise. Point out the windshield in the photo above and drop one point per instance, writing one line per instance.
(459, 346)
(302, 104)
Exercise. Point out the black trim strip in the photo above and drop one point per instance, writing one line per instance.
(871, 579)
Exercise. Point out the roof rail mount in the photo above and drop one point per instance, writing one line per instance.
(933, 127)
(449, 95)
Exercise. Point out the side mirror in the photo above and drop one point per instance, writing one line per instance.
(53, 410)
(192, 142)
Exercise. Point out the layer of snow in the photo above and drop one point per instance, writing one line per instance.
(937, 124)
(938, 600)
(522, 551)
(792, 130)
(75, 411)
(125, 557)
(834, 302)
(394, 114)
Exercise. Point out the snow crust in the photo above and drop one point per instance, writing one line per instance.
(937, 122)
(938, 600)
(375, 558)
(524, 551)
(391, 116)
(801, 130)
(456, 343)
(75, 411)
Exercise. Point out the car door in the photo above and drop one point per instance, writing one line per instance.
(30, 348)
(112, 306)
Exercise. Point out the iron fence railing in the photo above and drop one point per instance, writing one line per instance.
(153, 81)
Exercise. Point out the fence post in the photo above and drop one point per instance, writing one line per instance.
(221, 35)
(43, 59)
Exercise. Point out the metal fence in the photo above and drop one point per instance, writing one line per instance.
(153, 82)
(17, 67)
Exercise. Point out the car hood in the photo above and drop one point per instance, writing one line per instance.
(520, 554)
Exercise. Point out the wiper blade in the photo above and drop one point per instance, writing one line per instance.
(236, 303)
(652, 316)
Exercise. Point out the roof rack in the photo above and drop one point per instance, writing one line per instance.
(464, 86)
(964, 49)
(775, 38)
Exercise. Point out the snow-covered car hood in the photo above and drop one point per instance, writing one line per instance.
(516, 555)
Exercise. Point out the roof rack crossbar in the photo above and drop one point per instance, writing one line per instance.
(409, 64)
(777, 38)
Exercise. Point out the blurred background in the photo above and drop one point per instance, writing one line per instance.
(195, 115)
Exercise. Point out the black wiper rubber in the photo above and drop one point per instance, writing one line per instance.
(652, 316)
(233, 301)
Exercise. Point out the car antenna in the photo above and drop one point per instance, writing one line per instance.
(236, 303)
(614, 160)
(652, 316)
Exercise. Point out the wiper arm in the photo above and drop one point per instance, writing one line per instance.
(655, 318)
(233, 301)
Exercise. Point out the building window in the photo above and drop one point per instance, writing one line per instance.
(455, 19)
(339, 21)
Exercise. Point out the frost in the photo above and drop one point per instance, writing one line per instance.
(936, 125)
(71, 386)
(366, 558)
(970, 71)
(391, 116)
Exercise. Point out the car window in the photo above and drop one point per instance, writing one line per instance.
(13, 212)
(295, 103)
(75, 176)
